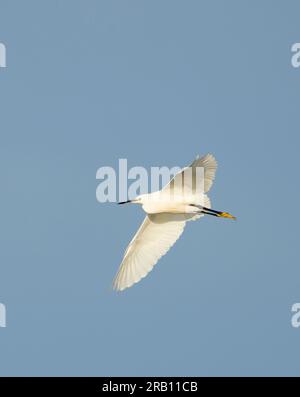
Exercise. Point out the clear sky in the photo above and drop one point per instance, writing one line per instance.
(156, 82)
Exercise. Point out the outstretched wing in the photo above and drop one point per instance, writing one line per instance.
(185, 180)
(209, 163)
(155, 237)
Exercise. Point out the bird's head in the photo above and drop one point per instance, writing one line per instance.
(136, 200)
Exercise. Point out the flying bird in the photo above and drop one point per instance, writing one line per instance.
(167, 210)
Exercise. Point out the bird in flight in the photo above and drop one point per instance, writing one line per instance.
(167, 210)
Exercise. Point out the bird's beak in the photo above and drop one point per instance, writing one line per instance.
(125, 202)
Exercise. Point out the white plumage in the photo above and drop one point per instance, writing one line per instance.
(167, 213)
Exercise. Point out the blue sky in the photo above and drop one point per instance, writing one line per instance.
(156, 82)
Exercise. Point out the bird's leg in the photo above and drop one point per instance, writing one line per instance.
(210, 211)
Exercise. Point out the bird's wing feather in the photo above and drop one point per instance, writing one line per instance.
(209, 164)
(155, 237)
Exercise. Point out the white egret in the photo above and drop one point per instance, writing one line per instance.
(167, 210)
